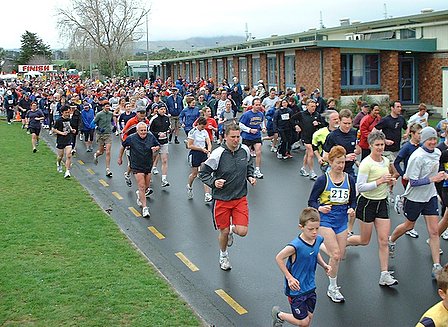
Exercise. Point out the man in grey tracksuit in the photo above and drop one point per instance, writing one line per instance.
(227, 171)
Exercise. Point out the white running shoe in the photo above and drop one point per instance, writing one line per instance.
(386, 279)
(224, 263)
(189, 192)
(313, 175)
(127, 178)
(208, 198)
(230, 238)
(145, 212)
(95, 159)
(58, 167)
(303, 172)
(165, 183)
(412, 233)
(445, 234)
(148, 192)
(154, 171)
(258, 174)
(139, 203)
(398, 205)
(67, 174)
(335, 295)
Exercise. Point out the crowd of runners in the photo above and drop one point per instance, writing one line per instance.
(360, 159)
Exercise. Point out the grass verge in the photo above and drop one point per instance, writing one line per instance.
(63, 261)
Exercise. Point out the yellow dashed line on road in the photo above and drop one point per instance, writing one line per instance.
(187, 262)
(91, 172)
(103, 182)
(156, 233)
(230, 301)
(135, 211)
(81, 162)
(118, 196)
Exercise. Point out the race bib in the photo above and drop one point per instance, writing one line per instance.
(339, 195)
(285, 116)
(10, 101)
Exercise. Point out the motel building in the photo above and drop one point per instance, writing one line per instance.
(403, 58)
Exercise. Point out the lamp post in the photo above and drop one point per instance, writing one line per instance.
(147, 48)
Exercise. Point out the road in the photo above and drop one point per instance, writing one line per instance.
(179, 239)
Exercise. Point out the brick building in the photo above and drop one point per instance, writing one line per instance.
(403, 58)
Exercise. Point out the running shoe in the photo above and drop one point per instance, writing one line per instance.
(67, 174)
(88, 150)
(224, 263)
(145, 212)
(279, 155)
(127, 178)
(208, 198)
(386, 279)
(303, 172)
(108, 173)
(398, 206)
(189, 192)
(252, 153)
(80, 137)
(58, 167)
(230, 237)
(34, 150)
(95, 159)
(445, 234)
(176, 141)
(440, 250)
(165, 183)
(436, 269)
(258, 174)
(313, 175)
(412, 233)
(73, 152)
(391, 248)
(139, 203)
(349, 234)
(276, 321)
(148, 192)
(154, 171)
(273, 149)
(335, 295)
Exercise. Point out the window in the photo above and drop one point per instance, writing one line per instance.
(220, 71)
(290, 71)
(193, 71)
(255, 70)
(187, 71)
(230, 71)
(243, 71)
(407, 33)
(360, 71)
(210, 68)
(272, 72)
(202, 69)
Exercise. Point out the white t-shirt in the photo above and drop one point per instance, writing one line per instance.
(416, 118)
(198, 137)
(268, 103)
(248, 100)
(221, 107)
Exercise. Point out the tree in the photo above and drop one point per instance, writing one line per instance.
(109, 25)
(33, 50)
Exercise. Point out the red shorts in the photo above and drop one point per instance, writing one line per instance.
(237, 209)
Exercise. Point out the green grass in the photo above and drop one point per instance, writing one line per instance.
(63, 261)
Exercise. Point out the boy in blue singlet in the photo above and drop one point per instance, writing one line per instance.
(301, 255)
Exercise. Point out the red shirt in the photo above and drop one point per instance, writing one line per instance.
(365, 127)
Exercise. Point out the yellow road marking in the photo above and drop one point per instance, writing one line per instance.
(187, 262)
(81, 162)
(228, 299)
(118, 196)
(135, 211)
(90, 171)
(103, 182)
(156, 233)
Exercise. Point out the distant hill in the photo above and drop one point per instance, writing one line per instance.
(191, 44)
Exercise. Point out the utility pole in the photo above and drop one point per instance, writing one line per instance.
(147, 48)
(90, 62)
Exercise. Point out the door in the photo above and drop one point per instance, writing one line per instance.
(406, 80)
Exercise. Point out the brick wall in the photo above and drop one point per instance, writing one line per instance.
(430, 77)
(214, 73)
(332, 73)
(281, 70)
(263, 68)
(250, 81)
(389, 73)
(224, 62)
(308, 69)
(236, 69)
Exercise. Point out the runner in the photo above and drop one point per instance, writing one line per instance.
(160, 128)
(103, 121)
(64, 134)
(88, 126)
(33, 122)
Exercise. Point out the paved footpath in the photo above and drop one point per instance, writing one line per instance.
(180, 241)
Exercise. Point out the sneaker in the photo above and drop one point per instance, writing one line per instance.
(108, 172)
(176, 140)
(445, 234)
(145, 212)
(276, 321)
(303, 172)
(148, 192)
(391, 248)
(258, 174)
(436, 269)
(127, 178)
(88, 150)
(73, 152)
(398, 206)
(165, 183)
(139, 203)
(50, 132)
(189, 192)
(387, 279)
(34, 150)
(58, 167)
(95, 159)
(412, 233)
(208, 197)
(440, 250)
(230, 237)
(80, 137)
(313, 176)
(279, 156)
(349, 234)
(154, 171)
(335, 295)
(67, 174)
(273, 149)
(224, 263)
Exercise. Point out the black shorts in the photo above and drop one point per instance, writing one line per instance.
(140, 171)
(367, 210)
(88, 135)
(412, 210)
(34, 131)
(196, 158)
(62, 146)
(250, 143)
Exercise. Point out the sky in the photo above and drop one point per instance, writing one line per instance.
(181, 19)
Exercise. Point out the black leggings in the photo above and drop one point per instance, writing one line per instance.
(286, 141)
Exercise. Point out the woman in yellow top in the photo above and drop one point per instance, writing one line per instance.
(372, 209)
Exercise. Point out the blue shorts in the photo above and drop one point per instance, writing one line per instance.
(196, 158)
(336, 219)
(412, 210)
(302, 305)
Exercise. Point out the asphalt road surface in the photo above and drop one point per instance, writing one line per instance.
(179, 239)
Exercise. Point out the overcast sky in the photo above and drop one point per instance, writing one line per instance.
(181, 19)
